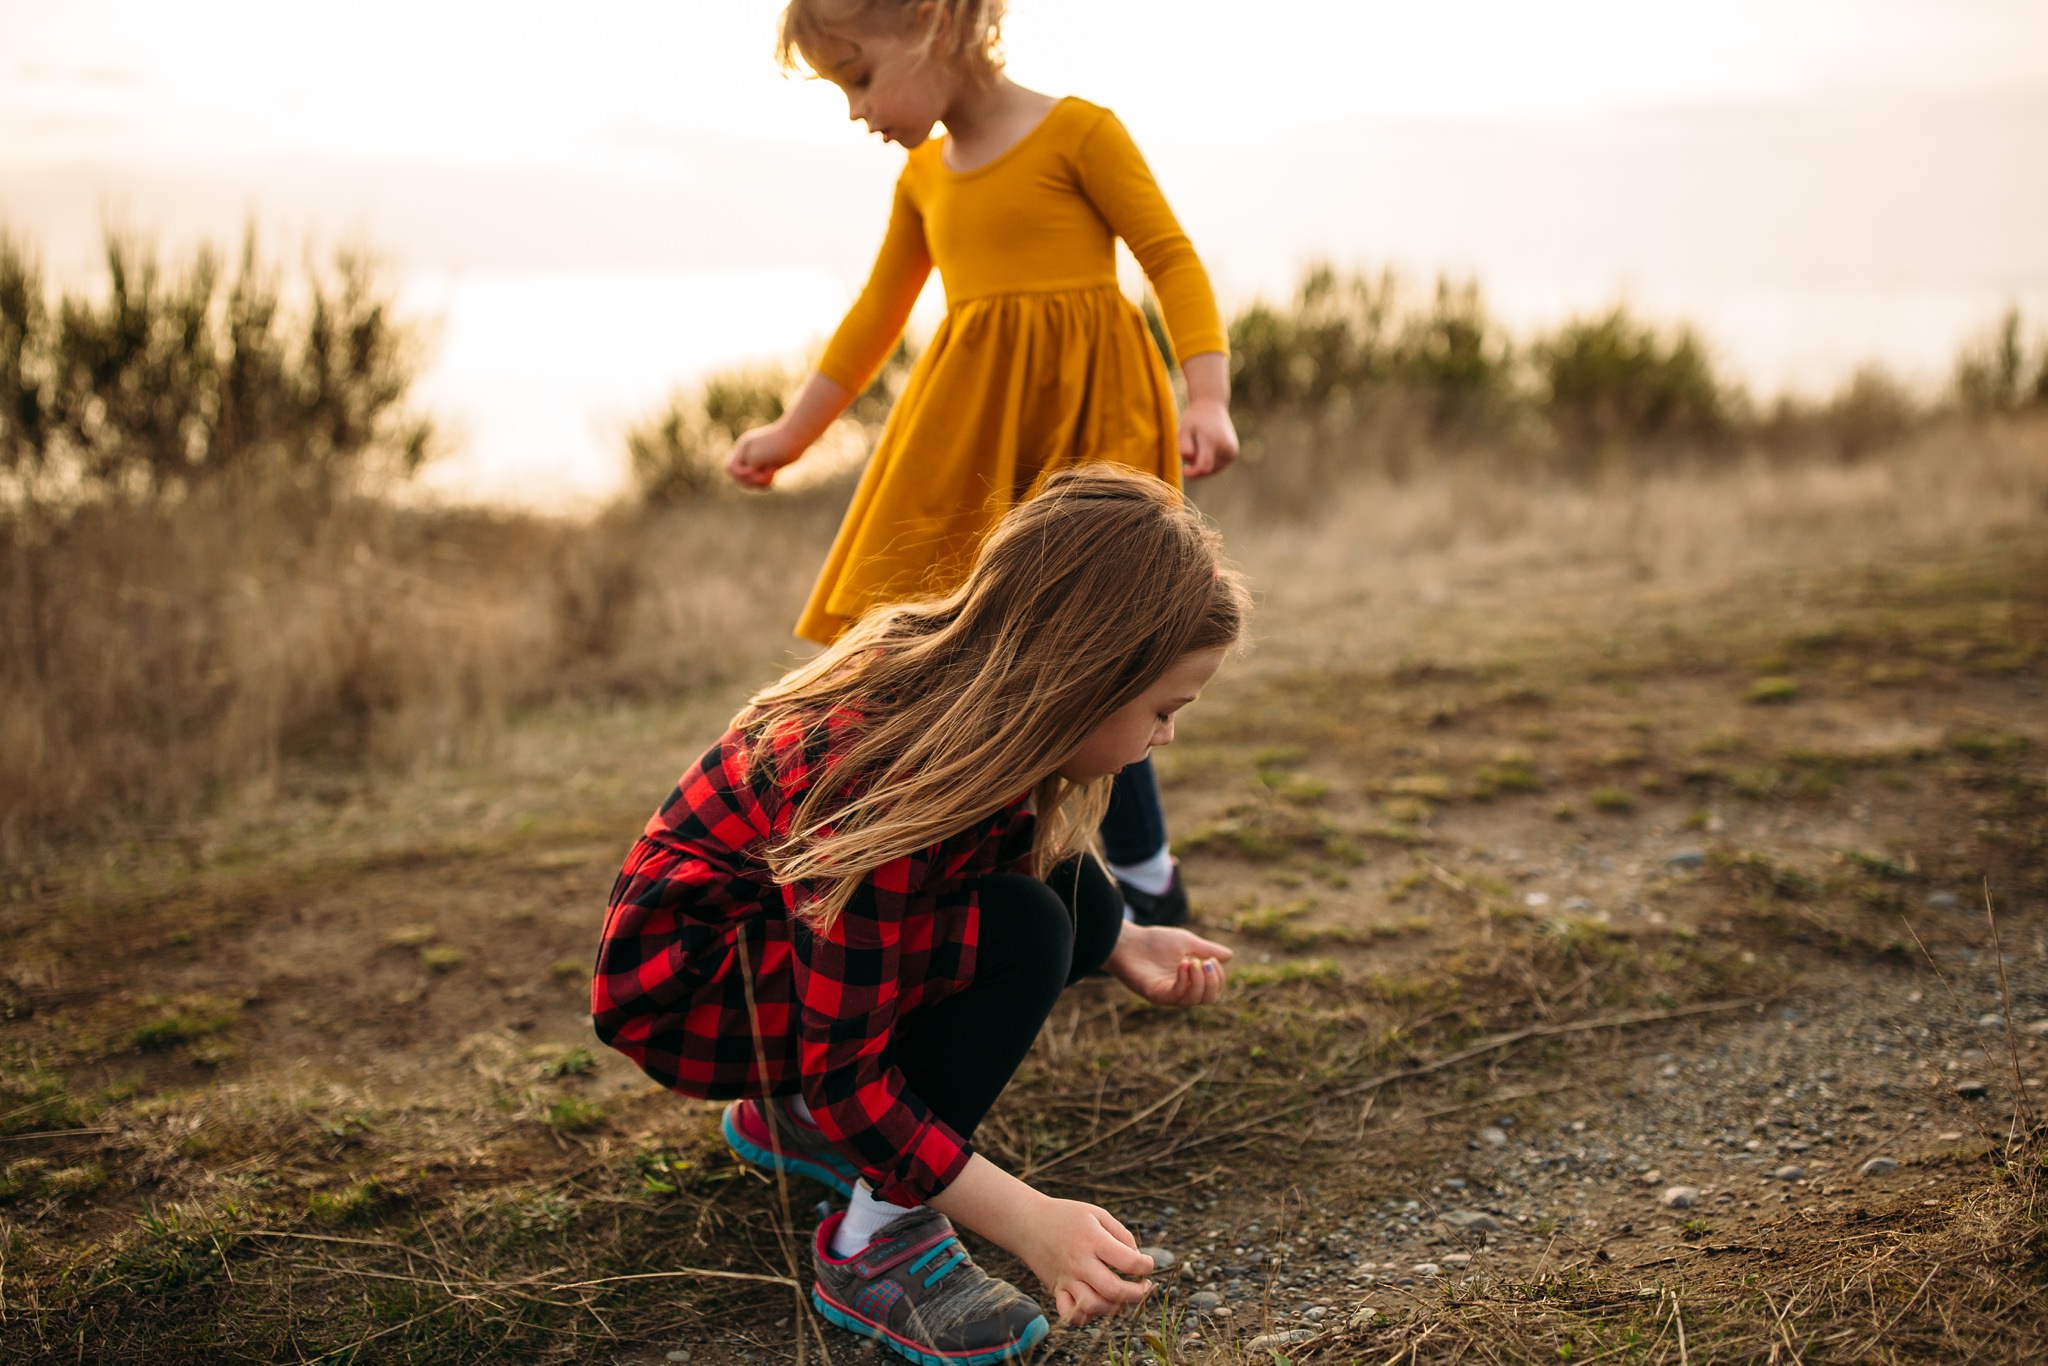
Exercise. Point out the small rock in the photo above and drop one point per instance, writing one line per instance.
(1315, 1313)
(1162, 1260)
(1493, 1136)
(1426, 1269)
(1788, 1173)
(1687, 858)
(1972, 1090)
(1682, 1197)
(1990, 1019)
(1457, 1259)
(1878, 1166)
(1471, 1221)
(1266, 1342)
(1364, 1318)
(1944, 901)
(2038, 1027)
(1205, 1301)
(1536, 900)
(678, 1356)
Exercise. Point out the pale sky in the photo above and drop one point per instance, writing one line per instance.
(520, 82)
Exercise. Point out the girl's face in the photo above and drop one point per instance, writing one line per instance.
(896, 90)
(1145, 722)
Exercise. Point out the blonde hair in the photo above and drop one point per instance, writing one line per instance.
(973, 30)
(1077, 602)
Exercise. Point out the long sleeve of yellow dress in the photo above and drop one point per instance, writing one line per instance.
(1119, 183)
(878, 316)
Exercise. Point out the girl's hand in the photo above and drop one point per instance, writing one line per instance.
(1168, 966)
(758, 454)
(1208, 441)
(1083, 1254)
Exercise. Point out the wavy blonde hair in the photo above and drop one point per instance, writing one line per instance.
(1077, 602)
(966, 32)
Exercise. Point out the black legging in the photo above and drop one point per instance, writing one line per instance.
(1037, 939)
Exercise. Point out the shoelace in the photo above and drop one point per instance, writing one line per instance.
(959, 1256)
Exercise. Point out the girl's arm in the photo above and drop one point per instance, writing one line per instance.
(854, 354)
(758, 454)
(1208, 440)
(1114, 176)
(1079, 1250)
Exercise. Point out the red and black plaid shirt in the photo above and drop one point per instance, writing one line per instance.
(695, 905)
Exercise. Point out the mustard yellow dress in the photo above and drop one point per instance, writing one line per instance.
(1039, 364)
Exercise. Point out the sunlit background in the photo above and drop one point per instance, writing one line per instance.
(596, 204)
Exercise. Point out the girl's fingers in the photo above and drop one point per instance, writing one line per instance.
(1123, 1235)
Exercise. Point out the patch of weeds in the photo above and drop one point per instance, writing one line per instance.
(574, 1115)
(1407, 810)
(1433, 787)
(440, 958)
(1701, 773)
(1408, 884)
(1413, 989)
(1613, 800)
(1293, 787)
(1622, 756)
(1721, 742)
(568, 968)
(575, 1061)
(1877, 865)
(36, 1101)
(412, 936)
(193, 1017)
(661, 1172)
(1512, 770)
(1755, 784)
(349, 1207)
(1698, 820)
(1988, 744)
(1759, 873)
(1773, 690)
(1692, 1230)
(1267, 833)
(1564, 812)
(1281, 924)
(1400, 929)
(174, 1251)
(1281, 974)
(1280, 756)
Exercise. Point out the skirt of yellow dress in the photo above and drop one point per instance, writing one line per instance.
(1011, 388)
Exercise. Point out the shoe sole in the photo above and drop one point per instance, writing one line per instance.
(1033, 1334)
(767, 1159)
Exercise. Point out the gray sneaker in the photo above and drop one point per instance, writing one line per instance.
(915, 1290)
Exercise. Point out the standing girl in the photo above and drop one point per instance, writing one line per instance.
(856, 910)
(1041, 363)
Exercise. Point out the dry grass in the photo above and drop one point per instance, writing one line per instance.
(157, 658)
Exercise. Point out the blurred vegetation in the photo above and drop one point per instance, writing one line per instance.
(1999, 372)
(183, 375)
(203, 582)
(679, 453)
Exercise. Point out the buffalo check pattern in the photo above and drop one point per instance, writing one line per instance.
(696, 926)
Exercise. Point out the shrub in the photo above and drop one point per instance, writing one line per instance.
(679, 453)
(181, 376)
(1613, 378)
(1995, 374)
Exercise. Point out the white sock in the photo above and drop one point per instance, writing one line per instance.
(801, 1110)
(865, 1217)
(1152, 876)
